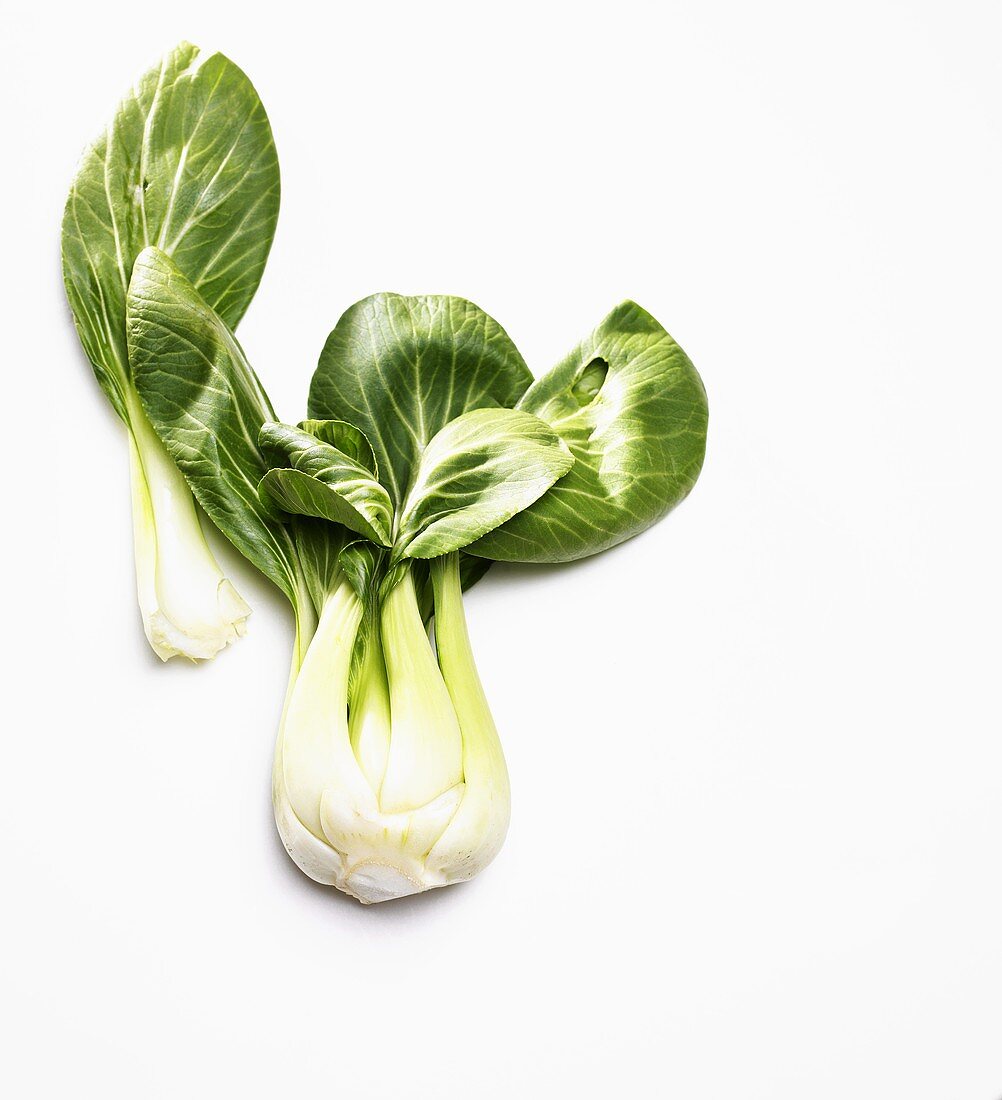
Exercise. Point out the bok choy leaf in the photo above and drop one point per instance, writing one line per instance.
(475, 473)
(401, 368)
(187, 164)
(313, 478)
(629, 404)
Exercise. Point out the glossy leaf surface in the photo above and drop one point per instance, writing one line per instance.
(401, 368)
(477, 472)
(188, 164)
(311, 478)
(632, 409)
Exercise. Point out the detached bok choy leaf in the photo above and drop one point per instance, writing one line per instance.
(208, 407)
(188, 164)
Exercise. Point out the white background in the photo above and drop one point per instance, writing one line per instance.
(756, 753)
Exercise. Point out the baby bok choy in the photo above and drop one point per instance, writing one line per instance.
(188, 164)
(427, 443)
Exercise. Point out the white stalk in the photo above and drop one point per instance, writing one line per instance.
(189, 608)
(446, 813)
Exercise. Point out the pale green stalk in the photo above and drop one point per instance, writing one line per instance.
(189, 607)
(476, 833)
(426, 747)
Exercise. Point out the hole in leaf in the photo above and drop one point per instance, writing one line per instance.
(590, 379)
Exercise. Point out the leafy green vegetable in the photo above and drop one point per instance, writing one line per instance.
(188, 164)
(389, 776)
(632, 409)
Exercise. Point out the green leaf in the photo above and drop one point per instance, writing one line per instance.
(316, 479)
(346, 438)
(477, 472)
(187, 164)
(402, 368)
(632, 409)
(208, 407)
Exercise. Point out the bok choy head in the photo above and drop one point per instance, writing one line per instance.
(423, 445)
(187, 163)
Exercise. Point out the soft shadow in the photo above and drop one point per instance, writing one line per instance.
(504, 573)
